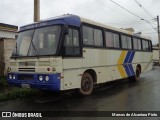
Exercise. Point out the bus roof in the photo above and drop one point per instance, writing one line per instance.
(65, 19)
(75, 21)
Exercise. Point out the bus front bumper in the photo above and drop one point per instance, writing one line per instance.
(37, 81)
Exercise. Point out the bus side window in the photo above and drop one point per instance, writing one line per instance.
(150, 46)
(145, 45)
(126, 42)
(68, 39)
(88, 35)
(71, 43)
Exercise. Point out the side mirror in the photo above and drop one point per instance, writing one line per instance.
(66, 29)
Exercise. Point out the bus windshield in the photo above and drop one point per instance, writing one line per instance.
(42, 41)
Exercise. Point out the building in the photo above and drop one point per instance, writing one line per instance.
(8, 35)
(156, 55)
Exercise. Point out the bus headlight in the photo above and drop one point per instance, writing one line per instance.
(40, 77)
(10, 76)
(14, 77)
(47, 78)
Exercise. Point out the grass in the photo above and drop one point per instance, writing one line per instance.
(14, 93)
(7, 92)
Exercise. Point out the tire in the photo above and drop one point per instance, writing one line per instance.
(137, 75)
(86, 85)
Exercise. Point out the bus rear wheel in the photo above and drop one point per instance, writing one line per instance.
(86, 84)
(137, 75)
(138, 72)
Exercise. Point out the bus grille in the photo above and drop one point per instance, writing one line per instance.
(25, 77)
(26, 69)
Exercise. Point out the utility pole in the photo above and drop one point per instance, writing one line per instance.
(158, 36)
(36, 10)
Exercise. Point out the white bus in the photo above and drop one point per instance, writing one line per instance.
(70, 52)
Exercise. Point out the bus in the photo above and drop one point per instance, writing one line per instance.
(69, 52)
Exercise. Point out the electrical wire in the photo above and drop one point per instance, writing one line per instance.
(126, 9)
(143, 8)
(147, 29)
(150, 33)
(132, 13)
(99, 1)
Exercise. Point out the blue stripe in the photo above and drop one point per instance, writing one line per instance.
(131, 70)
(127, 70)
(131, 57)
(127, 57)
(128, 67)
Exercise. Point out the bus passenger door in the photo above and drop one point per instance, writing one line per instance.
(72, 60)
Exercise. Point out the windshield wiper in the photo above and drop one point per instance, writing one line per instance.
(36, 52)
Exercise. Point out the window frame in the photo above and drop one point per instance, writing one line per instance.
(113, 32)
(122, 34)
(93, 27)
(149, 41)
(80, 42)
(140, 42)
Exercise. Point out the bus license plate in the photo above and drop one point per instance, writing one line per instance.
(25, 86)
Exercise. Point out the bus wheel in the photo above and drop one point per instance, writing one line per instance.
(86, 84)
(137, 75)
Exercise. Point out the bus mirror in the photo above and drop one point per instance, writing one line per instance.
(66, 29)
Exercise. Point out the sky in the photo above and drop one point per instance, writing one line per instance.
(20, 12)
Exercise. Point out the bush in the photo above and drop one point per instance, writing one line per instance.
(3, 82)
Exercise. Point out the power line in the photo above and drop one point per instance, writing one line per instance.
(132, 13)
(150, 33)
(126, 9)
(147, 29)
(145, 10)
(128, 22)
(109, 7)
(149, 24)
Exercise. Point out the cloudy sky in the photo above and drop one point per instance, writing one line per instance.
(20, 12)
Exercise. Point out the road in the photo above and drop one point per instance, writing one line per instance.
(143, 95)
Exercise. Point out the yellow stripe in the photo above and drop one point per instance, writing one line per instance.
(120, 66)
(122, 57)
(122, 71)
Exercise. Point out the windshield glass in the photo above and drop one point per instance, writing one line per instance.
(44, 42)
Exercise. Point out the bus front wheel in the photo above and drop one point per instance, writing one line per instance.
(86, 84)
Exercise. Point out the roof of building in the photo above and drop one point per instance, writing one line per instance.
(8, 27)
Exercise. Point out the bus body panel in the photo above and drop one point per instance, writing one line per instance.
(108, 65)
(31, 81)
